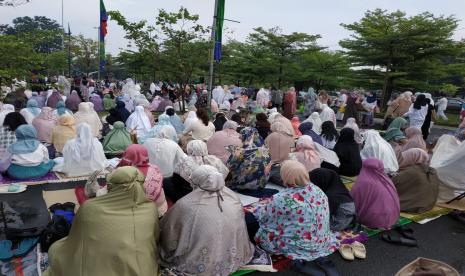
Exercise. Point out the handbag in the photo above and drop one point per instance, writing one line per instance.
(57, 229)
(434, 116)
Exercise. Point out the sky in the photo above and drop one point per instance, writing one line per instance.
(309, 16)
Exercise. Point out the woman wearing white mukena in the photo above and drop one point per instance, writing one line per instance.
(442, 106)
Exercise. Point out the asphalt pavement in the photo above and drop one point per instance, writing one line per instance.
(442, 239)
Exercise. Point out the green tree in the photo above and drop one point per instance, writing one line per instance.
(324, 69)
(184, 48)
(56, 63)
(247, 64)
(45, 34)
(174, 48)
(282, 48)
(18, 59)
(143, 54)
(404, 51)
(449, 89)
(84, 53)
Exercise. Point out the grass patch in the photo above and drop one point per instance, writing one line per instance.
(454, 120)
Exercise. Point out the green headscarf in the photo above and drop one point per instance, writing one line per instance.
(114, 234)
(117, 140)
(108, 102)
(394, 131)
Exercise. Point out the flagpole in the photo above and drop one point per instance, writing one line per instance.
(69, 52)
(62, 26)
(99, 57)
(212, 55)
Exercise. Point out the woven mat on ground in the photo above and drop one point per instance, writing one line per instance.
(60, 196)
(456, 204)
(373, 232)
(63, 178)
(48, 178)
(436, 211)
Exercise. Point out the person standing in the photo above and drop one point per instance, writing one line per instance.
(369, 104)
(425, 128)
(310, 103)
(442, 106)
(417, 112)
(341, 104)
(290, 103)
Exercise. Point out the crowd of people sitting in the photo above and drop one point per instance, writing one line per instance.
(174, 195)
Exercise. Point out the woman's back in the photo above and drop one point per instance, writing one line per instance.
(114, 234)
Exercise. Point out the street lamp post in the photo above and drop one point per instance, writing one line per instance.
(212, 56)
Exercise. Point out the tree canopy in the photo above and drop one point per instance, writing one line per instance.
(386, 50)
(404, 52)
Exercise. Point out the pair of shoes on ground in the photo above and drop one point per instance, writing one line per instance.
(351, 251)
(400, 236)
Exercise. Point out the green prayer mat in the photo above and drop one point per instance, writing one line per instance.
(373, 232)
(436, 211)
(242, 272)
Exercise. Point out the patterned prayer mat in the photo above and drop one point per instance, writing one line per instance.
(63, 178)
(48, 178)
(51, 177)
(436, 211)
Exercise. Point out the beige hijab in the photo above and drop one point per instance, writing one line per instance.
(294, 174)
(306, 153)
(64, 131)
(86, 114)
(204, 233)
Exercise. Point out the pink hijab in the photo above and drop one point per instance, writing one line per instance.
(306, 153)
(44, 124)
(214, 106)
(295, 124)
(138, 156)
(411, 157)
(414, 140)
(375, 196)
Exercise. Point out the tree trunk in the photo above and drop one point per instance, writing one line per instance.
(387, 85)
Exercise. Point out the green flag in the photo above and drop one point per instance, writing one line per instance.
(219, 29)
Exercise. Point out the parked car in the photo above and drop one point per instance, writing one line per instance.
(454, 105)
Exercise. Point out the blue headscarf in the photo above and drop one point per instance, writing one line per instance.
(307, 129)
(61, 108)
(176, 123)
(33, 107)
(246, 135)
(163, 120)
(26, 140)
